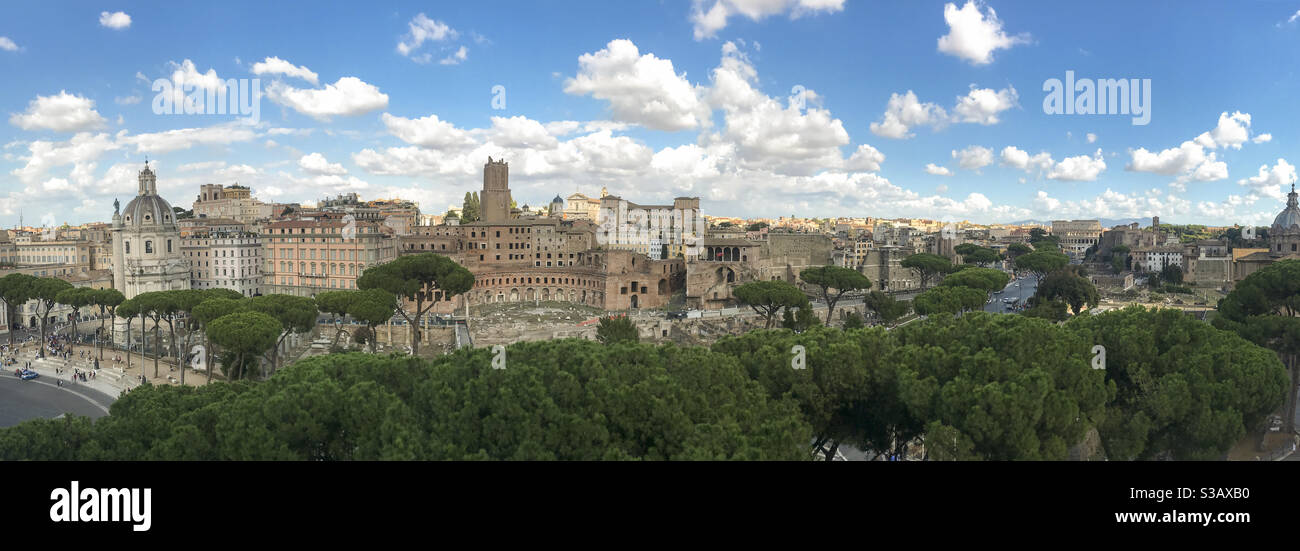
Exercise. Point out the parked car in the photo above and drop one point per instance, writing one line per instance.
(28, 375)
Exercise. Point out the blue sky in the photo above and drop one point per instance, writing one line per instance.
(661, 99)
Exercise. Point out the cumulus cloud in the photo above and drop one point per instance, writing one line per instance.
(982, 105)
(866, 158)
(186, 138)
(974, 35)
(1092, 138)
(1191, 161)
(1232, 131)
(63, 112)
(115, 20)
(349, 96)
(973, 158)
(185, 72)
(906, 112)
(1269, 182)
(427, 131)
(1015, 157)
(710, 16)
(640, 89)
(1078, 169)
(424, 29)
(315, 163)
(7, 44)
(82, 151)
(456, 58)
(937, 170)
(1183, 158)
(277, 66)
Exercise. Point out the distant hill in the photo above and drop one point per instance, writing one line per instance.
(1106, 223)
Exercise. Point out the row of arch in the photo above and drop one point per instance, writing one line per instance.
(529, 294)
(725, 254)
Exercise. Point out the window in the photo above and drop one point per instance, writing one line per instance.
(169, 245)
(128, 246)
(148, 247)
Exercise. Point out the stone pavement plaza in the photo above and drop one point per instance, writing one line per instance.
(111, 378)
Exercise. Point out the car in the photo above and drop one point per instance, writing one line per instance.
(28, 375)
(1009, 300)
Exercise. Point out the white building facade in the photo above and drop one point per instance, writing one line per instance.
(147, 244)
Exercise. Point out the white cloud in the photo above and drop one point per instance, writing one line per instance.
(185, 138)
(62, 113)
(982, 105)
(7, 44)
(424, 29)
(201, 166)
(973, 35)
(521, 132)
(794, 138)
(115, 20)
(1043, 203)
(1190, 160)
(1211, 170)
(973, 158)
(936, 170)
(1092, 138)
(1232, 131)
(349, 96)
(1078, 169)
(640, 89)
(186, 73)
(904, 113)
(866, 159)
(709, 21)
(456, 58)
(128, 100)
(429, 131)
(1016, 158)
(290, 131)
(277, 66)
(1177, 160)
(316, 163)
(1270, 181)
(82, 151)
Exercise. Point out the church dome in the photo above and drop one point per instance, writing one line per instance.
(1291, 216)
(148, 209)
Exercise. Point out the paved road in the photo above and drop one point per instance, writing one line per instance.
(1027, 287)
(22, 400)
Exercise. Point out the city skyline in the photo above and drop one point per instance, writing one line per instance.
(751, 107)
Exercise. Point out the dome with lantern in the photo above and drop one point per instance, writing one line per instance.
(148, 208)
